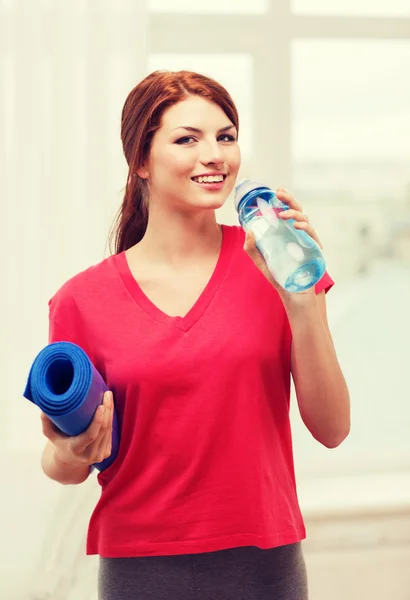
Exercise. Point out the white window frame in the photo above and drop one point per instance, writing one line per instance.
(267, 38)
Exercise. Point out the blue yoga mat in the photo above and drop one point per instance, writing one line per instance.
(67, 387)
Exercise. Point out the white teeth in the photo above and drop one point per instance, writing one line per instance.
(209, 179)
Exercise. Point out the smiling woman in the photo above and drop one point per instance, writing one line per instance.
(167, 159)
(199, 378)
(175, 162)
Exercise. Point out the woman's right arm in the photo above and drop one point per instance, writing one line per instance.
(67, 459)
(65, 473)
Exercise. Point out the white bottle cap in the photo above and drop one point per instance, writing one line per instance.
(243, 187)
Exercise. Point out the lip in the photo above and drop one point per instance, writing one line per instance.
(211, 187)
(209, 174)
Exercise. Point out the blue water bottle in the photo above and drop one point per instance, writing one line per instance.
(292, 256)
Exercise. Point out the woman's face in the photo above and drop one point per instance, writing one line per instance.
(194, 157)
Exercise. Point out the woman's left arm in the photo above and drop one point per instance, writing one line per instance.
(321, 389)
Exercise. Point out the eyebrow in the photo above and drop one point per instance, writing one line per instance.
(195, 130)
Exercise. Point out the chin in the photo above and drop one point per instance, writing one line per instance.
(213, 199)
(212, 203)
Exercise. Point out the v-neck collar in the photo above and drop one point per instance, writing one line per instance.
(202, 302)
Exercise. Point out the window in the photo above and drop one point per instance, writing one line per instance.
(369, 8)
(211, 6)
(351, 115)
(351, 149)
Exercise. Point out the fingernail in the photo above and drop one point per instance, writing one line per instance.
(102, 409)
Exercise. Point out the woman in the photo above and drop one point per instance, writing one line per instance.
(197, 344)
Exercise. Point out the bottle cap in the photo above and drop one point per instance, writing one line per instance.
(244, 187)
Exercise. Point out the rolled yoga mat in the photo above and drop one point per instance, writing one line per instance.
(67, 387)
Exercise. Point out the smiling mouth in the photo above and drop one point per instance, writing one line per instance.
(209, 179)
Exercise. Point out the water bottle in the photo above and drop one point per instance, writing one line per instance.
(292, 256)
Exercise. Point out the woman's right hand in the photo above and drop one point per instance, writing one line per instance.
(91, 446)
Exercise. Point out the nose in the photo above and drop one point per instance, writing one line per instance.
(212, 154)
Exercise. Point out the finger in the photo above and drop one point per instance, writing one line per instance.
(94, 429)
(252, 250)
(287, 197)
(293, 214)
(106, 431)
(49, 429)
(108, 409)
(108, 447)
(254, 253)
(309, 230)
(97, 448)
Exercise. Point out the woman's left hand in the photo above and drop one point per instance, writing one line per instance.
(301, 222)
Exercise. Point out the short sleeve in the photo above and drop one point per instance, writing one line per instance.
(63, 322)
(66, 322)
(55, 332)
(326, 283)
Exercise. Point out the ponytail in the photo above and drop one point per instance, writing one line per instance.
(132, 218)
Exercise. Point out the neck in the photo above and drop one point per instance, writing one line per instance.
(179, 237)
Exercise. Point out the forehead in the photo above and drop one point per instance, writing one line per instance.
(194, 112)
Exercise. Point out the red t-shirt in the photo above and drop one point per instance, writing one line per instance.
(205, 460)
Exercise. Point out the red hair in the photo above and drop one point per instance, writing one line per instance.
(141, 118)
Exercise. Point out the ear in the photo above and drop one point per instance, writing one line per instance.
(143, 173)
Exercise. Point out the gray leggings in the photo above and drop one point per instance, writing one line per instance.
(236, 574)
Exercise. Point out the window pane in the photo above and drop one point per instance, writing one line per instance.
(351, 158)
(211, 6)
(381, 8)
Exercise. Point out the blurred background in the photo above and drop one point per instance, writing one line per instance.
(323, 92)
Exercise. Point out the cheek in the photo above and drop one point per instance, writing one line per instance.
(171, 165)
(179, 163)
(234, 160)
(184, 164)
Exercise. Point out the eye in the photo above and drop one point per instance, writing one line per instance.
(185, 140)
(227, 138)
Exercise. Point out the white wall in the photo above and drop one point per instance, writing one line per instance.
(66, 69)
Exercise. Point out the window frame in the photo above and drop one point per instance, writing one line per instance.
(270, 47)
